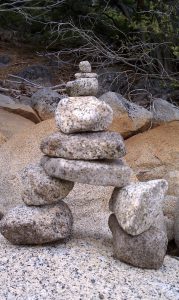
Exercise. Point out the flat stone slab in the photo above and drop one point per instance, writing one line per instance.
(82, 87)
(41, 189)
(25, 225)
(137, 205)
(105, 173)
(79, 114)
(146, 250)
(86, 75)
(85, 146)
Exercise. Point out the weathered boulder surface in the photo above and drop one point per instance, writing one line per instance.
(163, 111)
(128, 118)
(45, 102)
(105, 172)
(154, 153)
(11, 123)
(78, 114)
(85, 146)
(176, 225)
(82, 87)
(37, 225)
(41, 189)
(137, 205)
(4, 100)
(173, 181)
(169, 206)
(146, 250)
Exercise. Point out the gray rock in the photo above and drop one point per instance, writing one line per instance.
(137, 205)
(82, 87)
(85, 75)
(37, 225)
(78, 114)
(105, 172)
(176, 225)
(37, 73)
(45, 102)
(85, 146)
(129, 118)
(169, 206)
(41, 189)
(85, 66)
(6, 100)
(146, 250)
(163, 111)
(169, 223)
(1, 215)
(172, 178)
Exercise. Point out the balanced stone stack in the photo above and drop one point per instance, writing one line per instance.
(82, 150)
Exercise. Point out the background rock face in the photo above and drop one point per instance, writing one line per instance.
(77, 114)
(146, 250)
(136, 206)
(37, 225)
(128, 118)
(85, 146)
(40, 189)
(45, 102)
(105, 172)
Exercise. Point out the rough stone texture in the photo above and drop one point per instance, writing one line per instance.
(41, 189)
(82, 87)
(169, 206)
(105, 173)
(128, 118)
(85, 146)
(85, 75)
(5, 100)
(23, 110)
(24, 225)
(137, 205)
(163, 111)
(146, 250)
(170, 228)
(154, 153)
(176, 225)
(11, 124)
(173, 181)
(45, 102)
(84, 267)
(1, 215)
(85, 66)
(77, 114)
(2, 139)
(18, 152)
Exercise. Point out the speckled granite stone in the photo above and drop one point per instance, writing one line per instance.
(105, 173)
(84, 267)
(85, 75)
(41, 189)
(146, 250)
(137, 205)
(78, 114)
(82, 87)
(85, 146)
(176, 224)
(37, 225)
(85, 66)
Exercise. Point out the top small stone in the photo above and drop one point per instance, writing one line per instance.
(85, 66)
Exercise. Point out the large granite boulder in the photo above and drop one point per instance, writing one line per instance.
(163, 111)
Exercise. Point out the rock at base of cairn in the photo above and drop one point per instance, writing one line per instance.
(78, 114)
(137, 205)
(146, 250)
(85, 146)
(104, 173)
(41, 189)
(24, 225)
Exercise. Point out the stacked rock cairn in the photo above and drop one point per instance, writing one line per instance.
(83, 151)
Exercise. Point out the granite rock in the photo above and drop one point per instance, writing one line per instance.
(78, 114)
(146, 250)
(85, 75)
(169, 206)
(41, 189)
(85, 66)
(37, 225)
(163, 111)
(82, 87)
(169, 223)
(137, 205)
(105, 172)
(85, 146)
